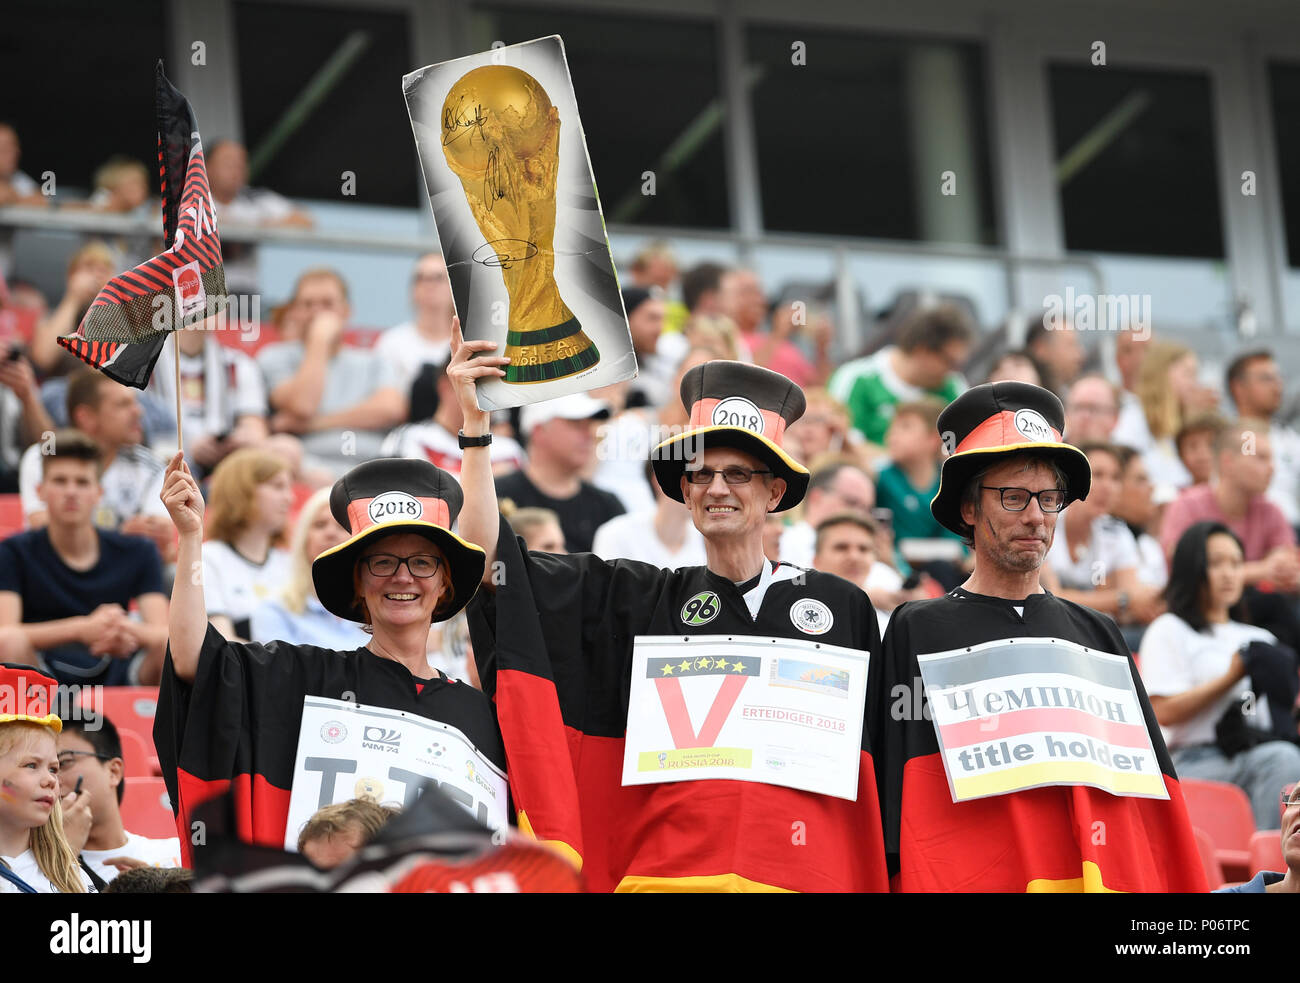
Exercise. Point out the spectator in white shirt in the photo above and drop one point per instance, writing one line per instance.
(1255, 384)
(1093, 557)
(1196, 667)
(1136, 508)
(296, 614)
(248, 513)
(1091, 409)
(437, 439)
(426, 340)
(223, 402)
(663, 536)
(237, 203)
(90, 752)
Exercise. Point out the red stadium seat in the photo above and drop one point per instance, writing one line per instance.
(1266, 851)
(11, 515)
(146, 809)
(1209, 860)
(131, 709)
(138, 756)
(1224, 812)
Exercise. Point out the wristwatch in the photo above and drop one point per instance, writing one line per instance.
(473, 441)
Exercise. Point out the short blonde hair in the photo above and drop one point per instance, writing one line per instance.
(364, 815)
(230, 498)
(116, 169)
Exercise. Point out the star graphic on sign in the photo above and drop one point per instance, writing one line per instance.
(738, 667)
(701, 663)
(719, 663)
(668, 670)
(685, 666)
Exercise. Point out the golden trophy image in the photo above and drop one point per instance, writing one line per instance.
(501, 138)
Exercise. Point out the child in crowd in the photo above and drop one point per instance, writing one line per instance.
(35, 857)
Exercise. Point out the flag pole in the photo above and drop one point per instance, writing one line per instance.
(176, 350)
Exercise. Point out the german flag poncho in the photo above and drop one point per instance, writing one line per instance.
(554, 649)
(1056, 838)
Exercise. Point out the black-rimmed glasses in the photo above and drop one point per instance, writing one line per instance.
(422, 565)
(1017, 499)
(67, 758)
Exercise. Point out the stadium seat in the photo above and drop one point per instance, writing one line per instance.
(1209, 859)
(131, 709)
(146, 808)
(1224, 812)
(11, 515)
(138, 755)
(1266, 851)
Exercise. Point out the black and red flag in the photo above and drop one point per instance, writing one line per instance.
(125, 327)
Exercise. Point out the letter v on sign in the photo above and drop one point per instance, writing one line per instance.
(679, 718)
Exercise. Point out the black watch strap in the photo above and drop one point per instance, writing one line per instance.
(473, 441)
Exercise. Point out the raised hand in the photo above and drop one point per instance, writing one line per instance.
(463, 371)
(181, 495)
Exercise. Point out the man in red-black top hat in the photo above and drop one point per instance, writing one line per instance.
(1016, 747)
(564, 645)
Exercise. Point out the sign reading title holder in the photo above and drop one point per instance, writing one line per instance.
(509, 179)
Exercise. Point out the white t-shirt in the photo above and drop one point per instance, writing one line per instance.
(1175, 659)
(24, 865)
(625, 445)
(1166, 469)
(404, 350)
(799, 544)
(234, 585)
(432, 442)
(1110, 549)
(1284, 491)
(156, 853)
(883, 577)
(633, 537)
(132, 484)
(1152, 568)
(219, 386)
(254, 206)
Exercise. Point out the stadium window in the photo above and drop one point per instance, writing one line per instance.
(865, 135)
(1135, 161)
(650, 100)
(329, 102)
(1284, 101)
(78, 78)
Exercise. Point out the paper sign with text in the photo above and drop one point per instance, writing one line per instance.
(1023, 713)
(775, 710)
(349, 750)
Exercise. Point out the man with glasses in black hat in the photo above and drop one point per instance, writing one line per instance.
(1018, 750)
(557, 639)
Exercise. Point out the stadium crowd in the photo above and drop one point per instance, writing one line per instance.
(1187, 539)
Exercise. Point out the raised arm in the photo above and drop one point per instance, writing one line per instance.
(188, 617)
(479, 519)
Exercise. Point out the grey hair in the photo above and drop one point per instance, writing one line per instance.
(971, 493)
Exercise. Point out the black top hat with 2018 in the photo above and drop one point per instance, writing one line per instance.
(741, 406)
(996, 420)
(396, 495)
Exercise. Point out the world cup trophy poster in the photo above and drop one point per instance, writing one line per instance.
(514, 199)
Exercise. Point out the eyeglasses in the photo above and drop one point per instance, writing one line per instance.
(68, 758)
(1290, 797)
(422, 565)
(1017, 499)
(731, 475)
